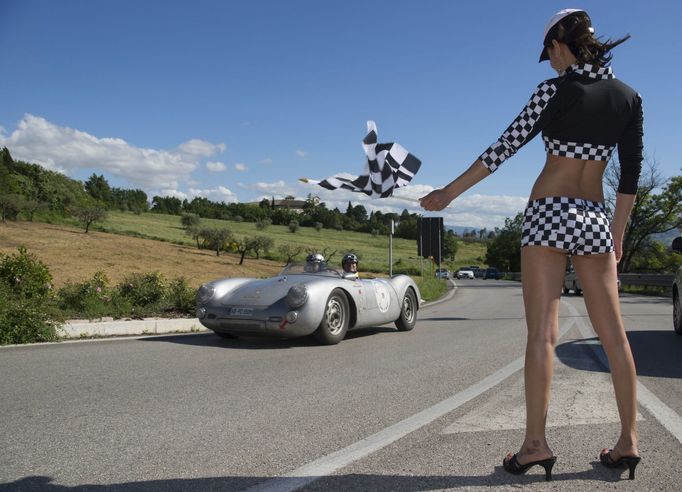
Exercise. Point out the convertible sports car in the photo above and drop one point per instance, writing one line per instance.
(297, 303)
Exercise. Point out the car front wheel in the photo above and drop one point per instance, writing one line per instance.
(677, 314)
(335, 320)
(408, 312)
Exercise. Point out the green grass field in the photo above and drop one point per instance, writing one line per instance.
(372, 250)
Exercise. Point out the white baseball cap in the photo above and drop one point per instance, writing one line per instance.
(553, 21)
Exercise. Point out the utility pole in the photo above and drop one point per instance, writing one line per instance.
(390, 248)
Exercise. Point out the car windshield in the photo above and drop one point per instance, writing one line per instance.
(309, 269)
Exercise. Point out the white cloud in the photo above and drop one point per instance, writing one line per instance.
(279, 189)
(201, 148)
(301, 153)
(216, 167)
(68, 150)
(267, 160)
(240, 167)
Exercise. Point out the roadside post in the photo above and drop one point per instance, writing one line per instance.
(390, 248)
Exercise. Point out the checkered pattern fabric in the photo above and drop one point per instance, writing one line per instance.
(517, 134)
(592, 71)
(579, 227)
(584, 151)
(389, 166)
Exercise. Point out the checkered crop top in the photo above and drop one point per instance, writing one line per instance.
(583, 114)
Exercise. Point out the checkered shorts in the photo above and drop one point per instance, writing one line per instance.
(580, 227)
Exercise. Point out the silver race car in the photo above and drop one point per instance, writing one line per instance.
(299, 302)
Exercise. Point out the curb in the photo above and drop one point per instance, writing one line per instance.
(149, 326)
(446, 297)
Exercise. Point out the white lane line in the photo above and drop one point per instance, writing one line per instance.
(330, 463)
(661, 412)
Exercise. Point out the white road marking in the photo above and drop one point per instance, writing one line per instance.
(328, 464)
(662, 412)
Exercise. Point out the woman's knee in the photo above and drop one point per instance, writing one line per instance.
(546, 336)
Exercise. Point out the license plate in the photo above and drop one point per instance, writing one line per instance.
(235, 311)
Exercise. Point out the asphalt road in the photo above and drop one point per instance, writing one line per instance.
(436, 408)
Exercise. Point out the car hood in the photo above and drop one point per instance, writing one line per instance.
(264, 292)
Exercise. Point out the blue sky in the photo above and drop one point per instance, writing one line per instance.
(235, 100)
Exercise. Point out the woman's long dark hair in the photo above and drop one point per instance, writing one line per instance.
(576, 32)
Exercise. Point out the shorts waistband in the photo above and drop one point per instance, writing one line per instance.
(565, 200)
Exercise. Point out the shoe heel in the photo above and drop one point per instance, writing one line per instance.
(632, 464)
(548, 465)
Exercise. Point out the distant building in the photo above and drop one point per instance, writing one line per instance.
(289, 203)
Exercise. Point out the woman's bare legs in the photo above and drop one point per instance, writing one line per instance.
(543, 273)
(598, 276)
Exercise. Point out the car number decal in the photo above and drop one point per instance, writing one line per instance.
(383, 299)
(235, 311)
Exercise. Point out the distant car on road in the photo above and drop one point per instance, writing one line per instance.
(572, 282)
(465, 274)
(677, 285)
(479, 272)
(443, 273)
(493, 273)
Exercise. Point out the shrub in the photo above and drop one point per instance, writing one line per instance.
(92, 299)
(263, 224)
(293, 226)
(181, 297)
(189, 220)
(318, 226)
(143, 289)
(27, 311)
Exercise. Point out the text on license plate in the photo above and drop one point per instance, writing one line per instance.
(236, 311)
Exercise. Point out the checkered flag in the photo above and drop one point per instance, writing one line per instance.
(389, 166)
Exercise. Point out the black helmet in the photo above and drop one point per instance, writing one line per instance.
(314, 258)
(349, 257)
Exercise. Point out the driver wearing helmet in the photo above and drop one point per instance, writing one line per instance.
(350, 266)
(314, 263)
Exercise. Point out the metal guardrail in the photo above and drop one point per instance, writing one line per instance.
(644, 279)
(647, 279)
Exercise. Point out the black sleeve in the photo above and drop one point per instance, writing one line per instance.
(630, 149)
(532, 119)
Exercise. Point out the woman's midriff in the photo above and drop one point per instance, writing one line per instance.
(573, 178)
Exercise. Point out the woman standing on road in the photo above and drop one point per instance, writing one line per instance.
(583, 114)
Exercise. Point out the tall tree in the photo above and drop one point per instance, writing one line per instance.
(98, 188)
(504, 252)
(652, 212)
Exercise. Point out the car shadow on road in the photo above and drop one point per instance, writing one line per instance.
(656, 353)
(347, 482)
(210, 339)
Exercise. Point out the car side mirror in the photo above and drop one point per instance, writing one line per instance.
(677, 244)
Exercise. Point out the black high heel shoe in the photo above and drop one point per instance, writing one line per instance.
(630, 461)
(514, 467)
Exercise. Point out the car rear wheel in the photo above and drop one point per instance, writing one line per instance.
(576, 289)
(408, 312)
(677, 314)
(335, 320)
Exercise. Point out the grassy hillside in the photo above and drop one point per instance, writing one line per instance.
(373, 251)
(156, 242)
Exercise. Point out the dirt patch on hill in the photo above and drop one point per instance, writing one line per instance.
(73, 256)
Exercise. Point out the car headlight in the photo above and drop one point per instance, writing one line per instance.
(297, 295)
(205, 293)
